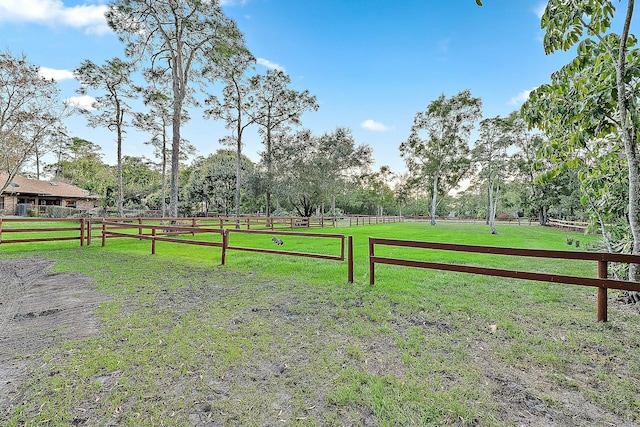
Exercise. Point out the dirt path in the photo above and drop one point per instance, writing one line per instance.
(39, 309)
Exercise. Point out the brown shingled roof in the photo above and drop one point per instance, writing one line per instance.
(44, 188)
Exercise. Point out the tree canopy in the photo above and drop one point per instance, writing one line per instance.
(183, 39)
(31, 113)
(437, 150)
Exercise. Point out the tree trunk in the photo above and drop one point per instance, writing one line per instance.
(269, 176)
(119, 159)
(434, 201)
(631, 149)
(487, 221)
(178, 96)
(37, 153)
(541, 218)
(164, 174)
(238, 176)
(491, 214)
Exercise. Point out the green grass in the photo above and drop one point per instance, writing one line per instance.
(276, 340)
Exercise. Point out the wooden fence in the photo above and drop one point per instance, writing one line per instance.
(568, 225)
(356, 220)
(602, 283)
(79, 227)
(469, 219)
(162, 233)
(341, 237)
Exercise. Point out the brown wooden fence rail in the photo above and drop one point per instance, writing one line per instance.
(245, 222)
(160, 233)
(262, 222)
(601, 282)
(80, 226)
(341, 237)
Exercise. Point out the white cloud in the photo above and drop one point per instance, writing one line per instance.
(521, 98)
(84, 101)
(374, 126)
(269, 64)
(50, 73)
(54, 12)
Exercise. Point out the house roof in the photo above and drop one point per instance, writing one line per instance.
(43, 188)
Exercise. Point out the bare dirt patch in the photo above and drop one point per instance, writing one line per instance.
(39, 309)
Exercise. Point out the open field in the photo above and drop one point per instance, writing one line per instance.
(266, 340)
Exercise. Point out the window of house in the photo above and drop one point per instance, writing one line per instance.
(1, 203)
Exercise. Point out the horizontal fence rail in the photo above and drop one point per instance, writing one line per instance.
(357, 220)
(79, 229)
(161, 233)
(568, 225)
(341, 237)
(601, 282)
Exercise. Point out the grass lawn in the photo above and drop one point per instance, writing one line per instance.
(280, 341)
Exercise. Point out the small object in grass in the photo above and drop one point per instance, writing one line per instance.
(569, 241)
(493, 328)
(277, 241)
(577, 243)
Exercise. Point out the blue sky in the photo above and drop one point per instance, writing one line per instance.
(373, 64)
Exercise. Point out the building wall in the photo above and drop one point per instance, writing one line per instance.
(10, 204)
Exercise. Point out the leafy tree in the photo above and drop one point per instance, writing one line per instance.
(273, 106)
(297, 179)
(441, 157)
(180, 38)
(594, 98)
(79, 162)
(140, 180)
(490, 154)
(213, 180)
(340, 159)
(114, 80)
(233, 108)
(309, 169)
(378, 184)
(31, 113)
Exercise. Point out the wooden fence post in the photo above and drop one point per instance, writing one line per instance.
(104, 235)
(225, 243)
(602, 293)
(153, 241)
(0, 231)
(371, 264)
(140, 228)
(350, 259)
(82, 231)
